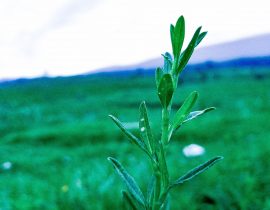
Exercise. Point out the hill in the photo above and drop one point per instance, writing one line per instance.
(251, 47)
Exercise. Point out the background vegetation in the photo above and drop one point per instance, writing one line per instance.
(57, 136)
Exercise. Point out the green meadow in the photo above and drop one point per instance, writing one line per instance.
(55, 136)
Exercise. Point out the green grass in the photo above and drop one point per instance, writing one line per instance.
(57, 135)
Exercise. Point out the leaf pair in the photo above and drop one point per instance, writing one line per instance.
(135, 199)
(184, 110)
(185, 56)
(131, 137)
(184, 113)
(134, 190)
(146, 143)
(177, 39)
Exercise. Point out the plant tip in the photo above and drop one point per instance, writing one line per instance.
(166, 80)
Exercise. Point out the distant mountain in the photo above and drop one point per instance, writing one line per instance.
(257, 46)
(251, 47)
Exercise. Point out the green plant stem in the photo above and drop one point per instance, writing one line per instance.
(161, 171)
(157, 189)
(174, 67)
(165, 125)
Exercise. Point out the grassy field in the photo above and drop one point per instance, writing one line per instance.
(57, 136)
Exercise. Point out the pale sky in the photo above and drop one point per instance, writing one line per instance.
(69, 37)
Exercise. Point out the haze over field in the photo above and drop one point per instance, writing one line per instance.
(251, 47)
(71, 37)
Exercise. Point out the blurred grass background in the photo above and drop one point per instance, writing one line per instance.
(56, 134)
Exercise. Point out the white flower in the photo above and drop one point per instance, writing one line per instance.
(193, 150)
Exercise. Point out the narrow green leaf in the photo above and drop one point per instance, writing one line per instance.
(131, 137)
(167, 62)
(196, 171)
(179, 35)
(185, 56)
(200, 38)
(184, 110)
(128, 203)
(129, 181)
(172, 37)
(158, 75)
(165, 90)
(195, 114)
(145, 130)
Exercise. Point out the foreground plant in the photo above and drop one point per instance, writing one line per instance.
(166, 82)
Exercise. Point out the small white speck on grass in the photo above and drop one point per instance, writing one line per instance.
(7, 165)
(142, 129)
(193, 150)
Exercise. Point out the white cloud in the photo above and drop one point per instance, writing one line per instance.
(74, 36)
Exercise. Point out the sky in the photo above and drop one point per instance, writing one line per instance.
(69, 37)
